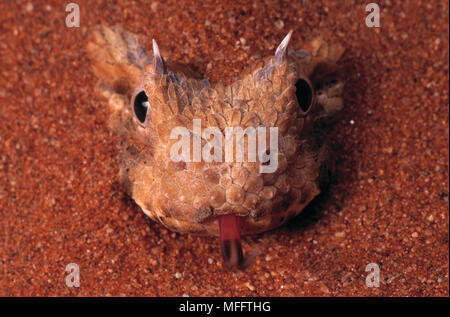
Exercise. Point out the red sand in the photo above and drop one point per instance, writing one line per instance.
(60, 201)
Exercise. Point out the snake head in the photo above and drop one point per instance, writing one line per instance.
(219, 159)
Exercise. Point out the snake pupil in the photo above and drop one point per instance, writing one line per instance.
(304, 94)
(140, 106)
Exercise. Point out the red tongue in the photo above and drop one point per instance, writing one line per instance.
(230, 242)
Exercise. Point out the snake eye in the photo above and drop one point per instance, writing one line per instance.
(304, 94)
(140, 106)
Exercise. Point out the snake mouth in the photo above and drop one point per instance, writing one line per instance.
(230, 242)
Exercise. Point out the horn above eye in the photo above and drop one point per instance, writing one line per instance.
(280, 53)
(304, 94)
(159, 66)
(140, 106)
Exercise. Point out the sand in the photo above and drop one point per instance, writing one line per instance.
(61, 202)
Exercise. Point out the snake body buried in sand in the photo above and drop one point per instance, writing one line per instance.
(296, 92)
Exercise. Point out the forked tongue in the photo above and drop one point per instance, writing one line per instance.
(230, 242)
